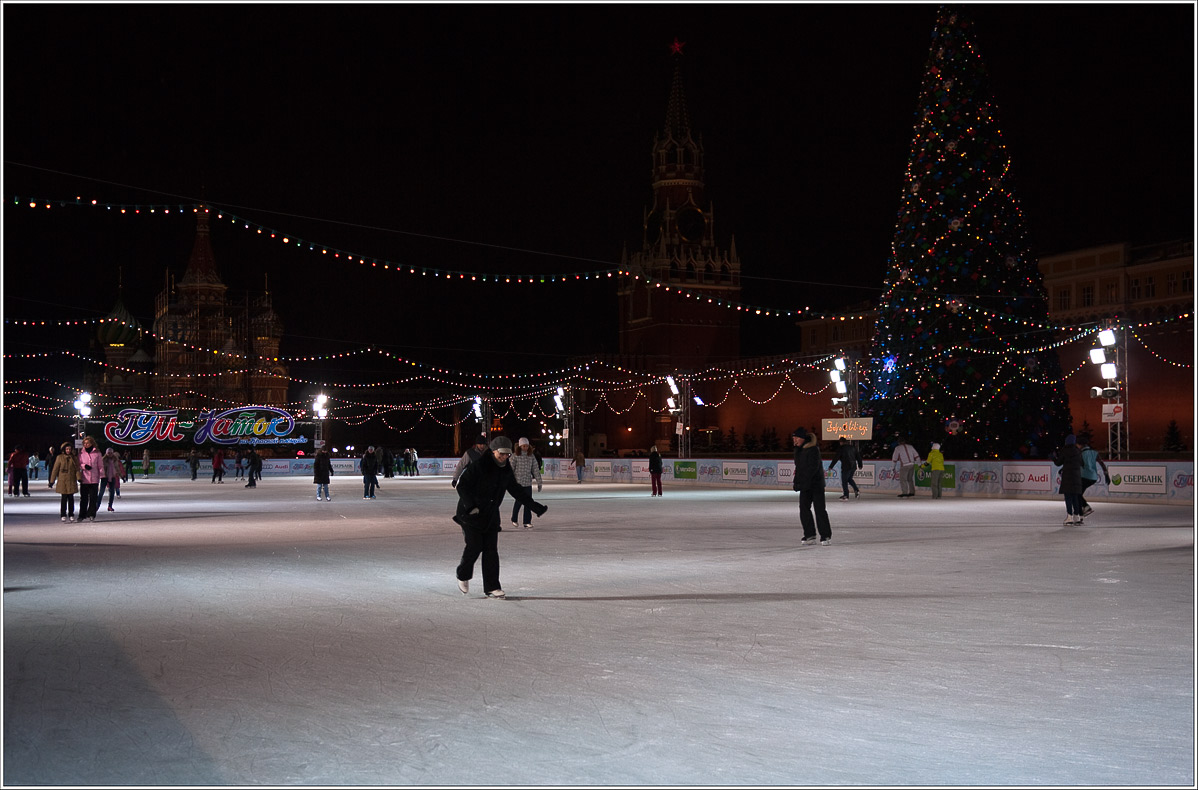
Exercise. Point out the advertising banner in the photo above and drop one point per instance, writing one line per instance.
(763, 473)
(640, 469)
(786, 473)
(345, 466)
(244, 426)
(1026, 477)
(429, 466)
(984, 478)
(601, 469)
(736, 471)
(1112, 412)
(948, 479)
(710, 471)
(1139, 479)
(855, 428)
(685, 470)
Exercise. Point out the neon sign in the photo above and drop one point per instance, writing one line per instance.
(242, 425)
(135, 426)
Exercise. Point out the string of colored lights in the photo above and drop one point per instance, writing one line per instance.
(1155, 354)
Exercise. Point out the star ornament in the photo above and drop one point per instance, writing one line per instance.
(676, 47)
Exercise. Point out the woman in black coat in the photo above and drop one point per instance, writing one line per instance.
(1069, 458)
(322, 469)
(480, 492)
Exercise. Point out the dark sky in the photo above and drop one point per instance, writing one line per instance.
(504, 138)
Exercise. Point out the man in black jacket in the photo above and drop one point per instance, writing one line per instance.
(809, 482)
(480, 492)
(849, 458)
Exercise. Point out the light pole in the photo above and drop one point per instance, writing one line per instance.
(1114, 389)
(82, 410)
(320, 412)
(844, 378)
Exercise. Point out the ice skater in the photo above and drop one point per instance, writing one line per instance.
(1069, 458)
(524, 467)
(809, 482)
(1090, 463)
(905, 460)
(370, 473)
(655, 466)
(64, 478)
(471, 455)
(935, 463)
(480, 493)
(849, 458)
(322, 470)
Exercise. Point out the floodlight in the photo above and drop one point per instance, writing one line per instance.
(1109, 372)
(1097, 356)
(841, 387)
(839, 363)
(1107, 337)
(835, 375)
(673, 386)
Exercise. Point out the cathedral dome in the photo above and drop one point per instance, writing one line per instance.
(120, 328)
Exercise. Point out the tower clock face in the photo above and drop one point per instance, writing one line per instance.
(691, 224)
(653, 225)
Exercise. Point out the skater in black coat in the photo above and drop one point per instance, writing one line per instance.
(1069, 458)
(809, 482)
(849, 458)
(480, 492)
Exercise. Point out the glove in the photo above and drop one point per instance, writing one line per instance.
(538, 488)
(539, 509)
(453, 483)
(795, 486)
(88, 467)
(1108, 480)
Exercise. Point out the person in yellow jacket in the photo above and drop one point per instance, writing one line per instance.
(935, 463)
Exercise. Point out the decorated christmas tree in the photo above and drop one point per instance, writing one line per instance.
(963, 354)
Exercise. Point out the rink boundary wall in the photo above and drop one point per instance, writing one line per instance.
(1165, 481)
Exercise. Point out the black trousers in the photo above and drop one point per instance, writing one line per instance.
(814, 497)
(486, 544)
(89, 499)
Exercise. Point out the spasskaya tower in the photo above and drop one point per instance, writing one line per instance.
(666, 329)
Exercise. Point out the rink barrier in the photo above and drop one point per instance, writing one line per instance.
(1170, 481)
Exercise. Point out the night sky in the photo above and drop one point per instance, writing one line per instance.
(516, 138)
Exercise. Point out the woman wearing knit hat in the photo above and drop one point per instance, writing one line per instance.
(1069, 458)
(480, 493)
(936, 463)
(525, 468)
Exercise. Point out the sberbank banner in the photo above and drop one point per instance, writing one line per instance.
(244, 426)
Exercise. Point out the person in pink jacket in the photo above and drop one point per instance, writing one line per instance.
(91, 468)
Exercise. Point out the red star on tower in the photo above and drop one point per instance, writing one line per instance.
(676, 47)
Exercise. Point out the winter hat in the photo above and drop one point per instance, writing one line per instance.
(523, 442)
(502, 443)
(935, 445)
(1070, 439)
(799, 433)
(482, 439)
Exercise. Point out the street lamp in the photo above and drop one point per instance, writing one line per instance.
(843, 375)
(82, 411)
(1107, 358)
(320, 412)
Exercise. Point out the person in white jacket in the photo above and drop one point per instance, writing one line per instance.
(526, 469)
(906, 458)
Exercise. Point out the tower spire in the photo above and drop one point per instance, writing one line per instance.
(678, 124)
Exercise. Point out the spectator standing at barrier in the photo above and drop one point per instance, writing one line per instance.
(415, 463)
(1091, 460)
(388, 462)
(580, 463)
(480, 493)
(849, 458)
(524, 467)
(90, 468)
(1069, 458)
(193, 460)
(126, 466)
(370, 468)
(18, 472)
(809, 482)
(64, 478)
(35, 465)
(471, 455)
(905, 460)
(322, 470)
(218, 465)
(405, 461)
(935, 464)
(239, 464)
(655, 466)
(145, 462)
(110, 476)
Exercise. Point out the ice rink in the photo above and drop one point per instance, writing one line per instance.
(216, 635)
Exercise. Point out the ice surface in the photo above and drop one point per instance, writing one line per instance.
(209, 634)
